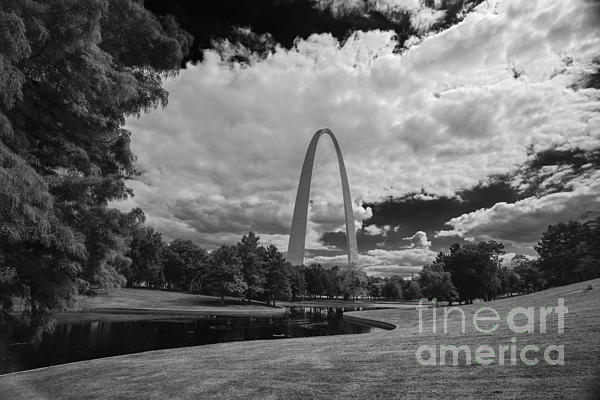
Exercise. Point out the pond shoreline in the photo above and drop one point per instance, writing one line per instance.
(199, 312)
(378, 364)
(99, 333)
(370, 322)
(176, 304)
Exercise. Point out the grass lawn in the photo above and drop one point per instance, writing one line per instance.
(373, 365)
(158, 302)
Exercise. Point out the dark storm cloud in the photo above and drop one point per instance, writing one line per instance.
(286, 20)
(552, 170)
(546, 172)
(557, 184)
(422, 212)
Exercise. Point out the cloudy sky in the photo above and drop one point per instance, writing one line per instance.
(456, 123)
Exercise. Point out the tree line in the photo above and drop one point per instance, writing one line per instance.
(568, 253)
(247, 270)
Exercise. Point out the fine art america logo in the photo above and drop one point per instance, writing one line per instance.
(486, 320)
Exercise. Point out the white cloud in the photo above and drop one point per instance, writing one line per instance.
(382, 262)
(361, 214)
(422, 17)
(387, 262)
(224, 156)
(425, 18)
(525, 221)
(507, 259)
(419, 240)
(413, 256)
(373, 230)
(405, 271)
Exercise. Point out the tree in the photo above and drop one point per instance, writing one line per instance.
(510, 281)
(315, 280)
(278, 283)
(353, 282)
(375, 286)
(332, 281)
(253, 259)
(184, 264)
(393, 288)
(225, 275)
(297, 282)
(412, 290)
(72, 70)
(474, 268)
(530, 277)
(145, 254)
(559, 251)
(436, 283)
(569, 252)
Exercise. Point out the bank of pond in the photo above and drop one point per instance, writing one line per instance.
(89, 336)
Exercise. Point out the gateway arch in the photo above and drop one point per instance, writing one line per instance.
(295, 254)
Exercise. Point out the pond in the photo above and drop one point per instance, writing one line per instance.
(99, 335)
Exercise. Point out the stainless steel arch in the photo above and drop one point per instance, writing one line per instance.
(295, 254)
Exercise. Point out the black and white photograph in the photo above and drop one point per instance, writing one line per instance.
(299, 199)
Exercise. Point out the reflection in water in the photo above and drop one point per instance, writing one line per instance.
(101, 337)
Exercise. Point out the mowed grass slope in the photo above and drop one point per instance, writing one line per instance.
(163, 301)
(373, 365)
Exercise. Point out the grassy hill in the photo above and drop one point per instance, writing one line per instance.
(163, 302)
(375, 365)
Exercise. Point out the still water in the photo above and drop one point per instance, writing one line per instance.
(101, 336)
